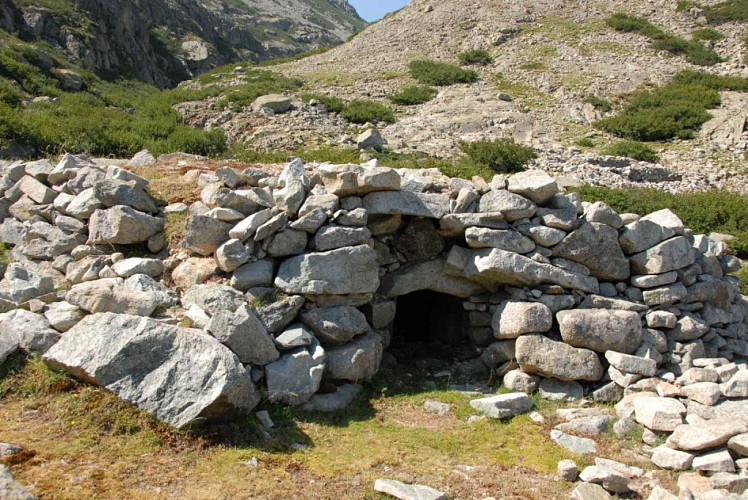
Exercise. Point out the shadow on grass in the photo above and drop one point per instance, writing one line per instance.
(419, 370)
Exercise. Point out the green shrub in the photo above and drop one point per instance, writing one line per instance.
(730, 10)
(633, 24)
(258, 83)
(440, 74)
(413, 95)
(362, 111)
(703, 212)
(712, 81)
(476, 56)
(742, 275)
(675, 110)
(501, 155)
(599, 102)
(584, 142)
(333, 104)
(707, 34)
(191, 140)
(632, 149)
(693, 50)
(684, 5)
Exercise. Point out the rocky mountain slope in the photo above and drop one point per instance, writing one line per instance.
(548, 58)
(166, 41)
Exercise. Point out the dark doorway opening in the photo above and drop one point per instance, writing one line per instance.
(434, 321)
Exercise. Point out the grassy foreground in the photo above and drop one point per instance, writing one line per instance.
(83, 442)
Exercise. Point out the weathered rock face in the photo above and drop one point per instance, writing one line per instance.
(601, 330)
(337, 272)
(122, 225)
(152, 365)
(113, 37)
(546, 357)
(596, 247)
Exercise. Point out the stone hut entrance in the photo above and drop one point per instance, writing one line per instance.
(429, 317)
(430, 325)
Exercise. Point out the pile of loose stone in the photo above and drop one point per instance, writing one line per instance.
(283, 280)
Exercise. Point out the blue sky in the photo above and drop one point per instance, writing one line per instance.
(372, 10)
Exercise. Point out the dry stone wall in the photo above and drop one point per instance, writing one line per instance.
(283, 281)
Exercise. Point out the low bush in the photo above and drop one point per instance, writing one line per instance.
(675, 110)
(476, 56)
(364, 110)
(440, 73)
(632, 149)
(633, 24)
(332, 103)
(414, 95)
(599, 102)
(709, 34)
(693, 50)
(703, 212)
(584, 142)
(727, 11)
(742, 275)
(501, 155)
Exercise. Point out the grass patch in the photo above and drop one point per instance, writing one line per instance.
(533, 66)
(675, 110)
(563, 29)
(742, 275)
(480, 57)
(330, 78)
(632, 149)
(85, 443)
(440, 73)
(297, 57)
(530, 95)
(591, 48)
(703, 212)
(413, 95)
(501, 155)
(332, 103)
(693, 50)
(462, 167)
(707, 34)
(258, 83)
(364, 110)
(725, 12)
(585, 142)
(598, 102)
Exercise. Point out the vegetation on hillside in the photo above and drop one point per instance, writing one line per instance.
(703, 212)
(117, 118)
(440, 73)
(694, 51)
(364, 110)
(502, 155)
(476, 56)
(723, 12)
(632, 149)
(413, 95)
(674, 110)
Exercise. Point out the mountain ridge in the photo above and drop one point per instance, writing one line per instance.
(163, 42)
